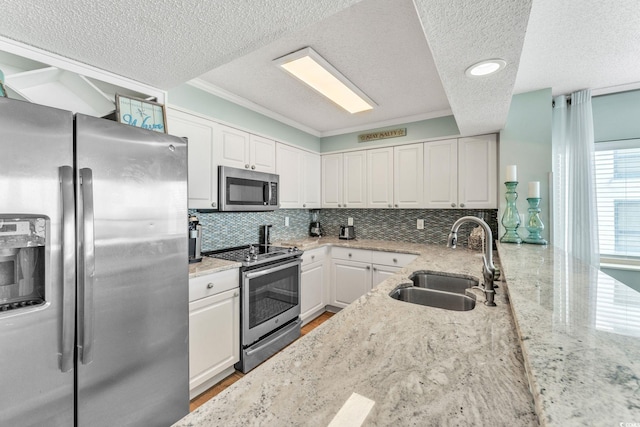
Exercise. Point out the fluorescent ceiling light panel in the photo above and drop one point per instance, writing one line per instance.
(484, 68)
(308, 66)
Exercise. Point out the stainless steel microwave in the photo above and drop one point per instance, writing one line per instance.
(242, 190)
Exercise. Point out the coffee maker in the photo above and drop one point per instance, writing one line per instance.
(315, 229)
(195, 239)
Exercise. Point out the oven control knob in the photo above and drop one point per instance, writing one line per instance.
(247, 258)
(254, 257)
(252, 250)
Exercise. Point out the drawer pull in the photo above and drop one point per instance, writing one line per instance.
(350, 255)
(209, 285)
(395, 260)
(313, 257)
(368, 267)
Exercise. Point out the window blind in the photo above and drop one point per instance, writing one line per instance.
(617, 170)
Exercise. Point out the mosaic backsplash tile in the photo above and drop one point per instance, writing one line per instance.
(228, 229)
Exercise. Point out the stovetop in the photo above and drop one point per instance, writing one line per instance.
(253, 255)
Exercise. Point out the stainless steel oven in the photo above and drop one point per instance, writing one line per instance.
(270, 307)
(269, 300)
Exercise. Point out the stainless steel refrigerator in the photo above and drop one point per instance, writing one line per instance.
(93, 271)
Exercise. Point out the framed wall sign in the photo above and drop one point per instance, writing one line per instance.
(141, 113)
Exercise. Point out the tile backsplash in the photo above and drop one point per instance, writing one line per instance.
(228, 229)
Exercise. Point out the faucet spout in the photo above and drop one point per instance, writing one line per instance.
(488, 268)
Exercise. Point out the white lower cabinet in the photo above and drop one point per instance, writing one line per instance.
(313, 290)
(354, 272)
(214, 329)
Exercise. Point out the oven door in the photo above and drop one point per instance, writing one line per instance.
(270, 298)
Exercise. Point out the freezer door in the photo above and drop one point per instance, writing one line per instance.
(132, 275)
(35, 141)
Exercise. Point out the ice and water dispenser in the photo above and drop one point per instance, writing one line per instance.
(22, 261)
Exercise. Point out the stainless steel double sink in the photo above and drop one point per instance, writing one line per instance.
(437, 290)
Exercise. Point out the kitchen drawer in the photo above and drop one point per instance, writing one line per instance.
(392, 258)
(351, 254)
(211, 284)
(314, 255)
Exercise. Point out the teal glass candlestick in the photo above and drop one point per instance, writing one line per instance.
(534, 225)
(511, 218)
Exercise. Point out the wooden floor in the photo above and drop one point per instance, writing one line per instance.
(213, 391)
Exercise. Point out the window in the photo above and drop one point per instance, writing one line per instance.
(617, 169)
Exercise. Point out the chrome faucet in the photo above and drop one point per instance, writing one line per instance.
(488, 270)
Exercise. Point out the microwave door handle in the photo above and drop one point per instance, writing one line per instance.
(266, 193)
(87, 267)
(68, 268)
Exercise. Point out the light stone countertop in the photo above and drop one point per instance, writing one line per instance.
(580, 335)
(210, 265)
(421, 365)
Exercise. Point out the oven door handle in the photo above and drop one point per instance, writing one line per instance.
(254, 274)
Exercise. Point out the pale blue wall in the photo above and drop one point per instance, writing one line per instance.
(616, 116)
(416, 131)
(205, 103)
(525, 141)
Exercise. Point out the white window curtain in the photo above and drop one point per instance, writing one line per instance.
(575, 214)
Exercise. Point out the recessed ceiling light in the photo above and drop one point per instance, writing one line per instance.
(312, 69)
(484, 68)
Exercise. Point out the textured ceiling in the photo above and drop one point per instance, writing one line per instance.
(408, 55)
(388, 59)
(462, 33)
(578, 44)
(159, 42)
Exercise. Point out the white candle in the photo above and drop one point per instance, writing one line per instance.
(534, 189)
(512, 174)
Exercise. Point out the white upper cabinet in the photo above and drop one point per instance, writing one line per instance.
(289, 167)
(354, 174)
(332, 181)
(408, 176)
(477, 172)
(299, 172)
(380, 181)
(461, 173)
(311, 180)
(242, 150)
(202, 136)
(441, 174)
(262, 154)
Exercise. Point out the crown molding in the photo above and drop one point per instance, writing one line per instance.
(221, 93)
(391, 122)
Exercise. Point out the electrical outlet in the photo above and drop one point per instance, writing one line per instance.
(420, 224)
(350, 221)
(286, 221)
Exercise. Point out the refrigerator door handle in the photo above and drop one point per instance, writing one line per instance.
(87, 269)
(68, 268)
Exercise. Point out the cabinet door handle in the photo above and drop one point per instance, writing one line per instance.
(304, 205)
(462, 205)
(253, 166)
(374, 269)
(453, 205)
(349, 255)
(338, 204)
(209, 285)
(345, 206)
(313, 257)
(235, 294)
(246, 166)
(213, 204)
(395, 260)
(390, 205)
(368, 267)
